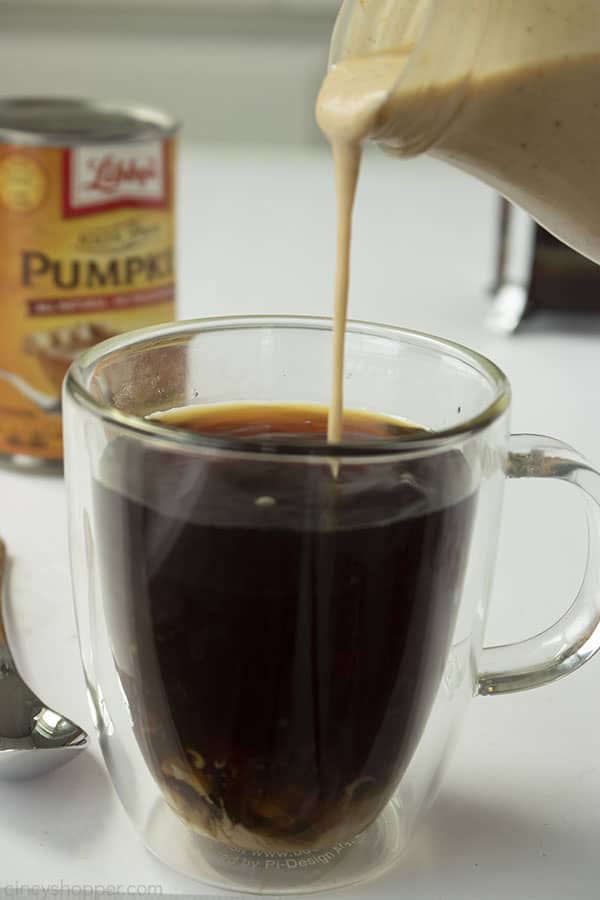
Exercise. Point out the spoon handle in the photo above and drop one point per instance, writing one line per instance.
(18, 703)
(6, 659)
(26, 724)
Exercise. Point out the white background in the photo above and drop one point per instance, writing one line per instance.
(231, 70)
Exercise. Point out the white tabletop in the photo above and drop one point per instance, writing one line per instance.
(519, 813)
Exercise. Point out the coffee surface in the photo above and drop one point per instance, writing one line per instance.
(280, 632)
(285, 422)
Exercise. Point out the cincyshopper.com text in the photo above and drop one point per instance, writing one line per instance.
(19, 890)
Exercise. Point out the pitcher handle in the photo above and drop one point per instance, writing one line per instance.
(574, 639)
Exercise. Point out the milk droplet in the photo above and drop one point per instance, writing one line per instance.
(266, 502)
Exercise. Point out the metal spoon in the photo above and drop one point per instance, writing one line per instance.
(26, 724)
(45, 402)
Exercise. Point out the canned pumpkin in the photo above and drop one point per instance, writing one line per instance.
(87, 236)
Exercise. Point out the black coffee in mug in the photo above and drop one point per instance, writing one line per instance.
(281, 623)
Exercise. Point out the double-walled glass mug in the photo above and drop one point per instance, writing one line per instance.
(280, 637)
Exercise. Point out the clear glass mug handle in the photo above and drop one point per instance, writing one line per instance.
(575, 638)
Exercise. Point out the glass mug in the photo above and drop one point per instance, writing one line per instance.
(280, 639)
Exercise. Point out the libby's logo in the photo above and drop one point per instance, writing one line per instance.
(110, 174)
(116, 176)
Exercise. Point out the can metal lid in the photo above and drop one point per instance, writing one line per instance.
(64, 122)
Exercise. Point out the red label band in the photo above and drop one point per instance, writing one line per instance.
(64, 306)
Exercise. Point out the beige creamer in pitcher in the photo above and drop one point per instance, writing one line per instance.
(507, 90)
